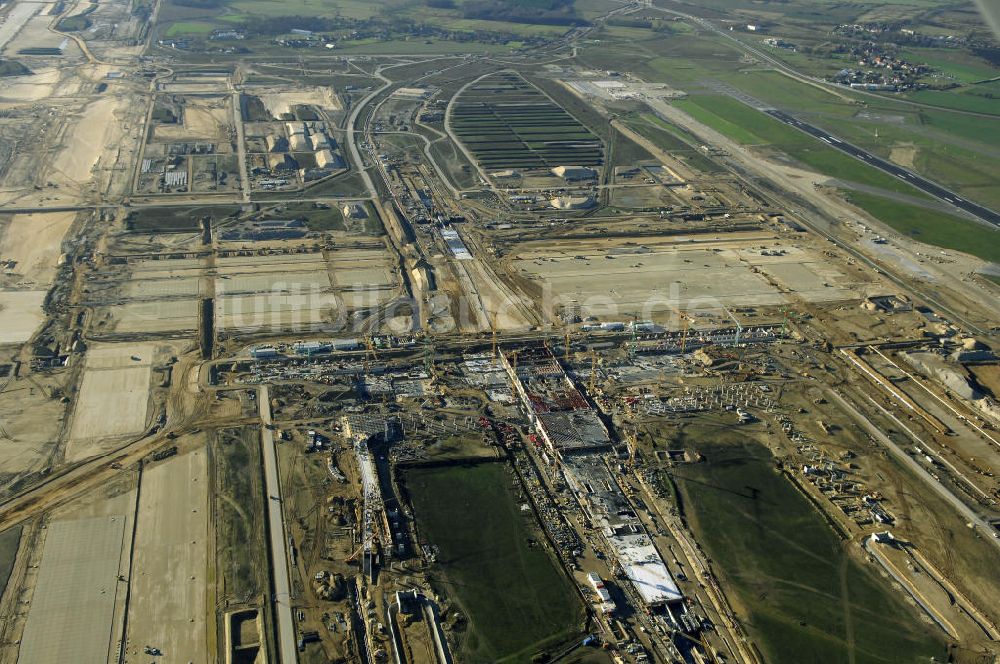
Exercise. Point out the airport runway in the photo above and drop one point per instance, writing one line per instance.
(923, 184)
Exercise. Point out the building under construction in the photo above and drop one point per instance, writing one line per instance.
(630, 546)
(381, 518)
(557, 410)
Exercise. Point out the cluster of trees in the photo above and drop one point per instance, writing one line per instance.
(989, 53)
(381, 27)
(654, 24)
(544, 12)
(200, 4)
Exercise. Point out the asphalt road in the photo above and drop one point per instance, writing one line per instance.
(287, 651)
(921, 183)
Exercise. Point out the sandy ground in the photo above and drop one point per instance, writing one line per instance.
(490, 301)
(366, 274)
(38, 85)
(21, 313)
(50, 82)
(34, 241)
(154, 269)
(367, 297)
(113, 400)
(153, 288)
(31, 422)
(276, 311)
(274, 282)
(609, 283)
(365, 271)
(360, 268)
(903, 154)
(169, 577)
(97, 129)
(120, 356)
(187, 87)
(35, 33)
(159, 316)
(199, 122)
(279, 103)
(15, 20)
(71, 618)
(277, 263)
(206, 120)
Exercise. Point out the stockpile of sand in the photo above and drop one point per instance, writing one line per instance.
(279, 103)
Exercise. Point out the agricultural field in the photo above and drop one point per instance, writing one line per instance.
(494, 566)
(189, 28)
(756, 527)
(507, 123)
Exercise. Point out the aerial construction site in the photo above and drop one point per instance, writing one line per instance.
(560, 338)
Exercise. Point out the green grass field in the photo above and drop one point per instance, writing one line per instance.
(347, 8)
(963, 67)
(751, 127)
(238, 494)
(177, 219)
(671, 139)
(803, 598)
(932, 227)
(189, 28)
(963, 101)
(491, 562)
(969, 127)
(790, 94)
(178, 20)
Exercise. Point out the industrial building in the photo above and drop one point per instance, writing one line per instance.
(576, 435)
(264, 352)
(311, 348)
